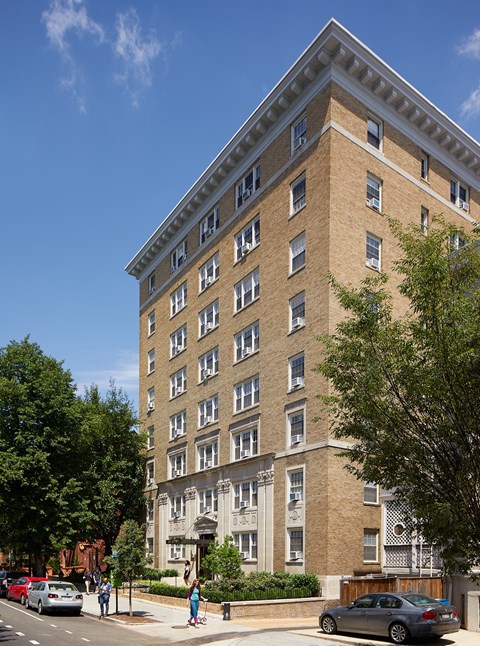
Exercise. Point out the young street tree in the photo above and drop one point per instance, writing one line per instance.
(42, 506)
(406, 387)
(223, 560)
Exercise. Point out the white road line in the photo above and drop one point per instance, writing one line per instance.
(84, 639)
(69, 632)
(29, 614)
(54, 625)
(32, 641)
(20, 634)
(7, 626)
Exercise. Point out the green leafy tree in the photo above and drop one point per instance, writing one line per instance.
(42, 506)
(406, 386)
(223, 560)
(113, 462)
(129, 561)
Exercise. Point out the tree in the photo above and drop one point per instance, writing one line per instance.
(406, 386)
(129, 561)
(42, 507)
(114, 465)
(223, 560)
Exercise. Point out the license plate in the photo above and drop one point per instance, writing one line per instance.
(447, 616)
(66, 598)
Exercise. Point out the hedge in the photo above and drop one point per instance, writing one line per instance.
(154, 574)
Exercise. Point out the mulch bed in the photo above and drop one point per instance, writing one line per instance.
(135, 619)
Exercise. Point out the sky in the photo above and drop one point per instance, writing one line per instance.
(111, 109)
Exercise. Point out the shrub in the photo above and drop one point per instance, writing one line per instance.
(154, 574)
(168, 590)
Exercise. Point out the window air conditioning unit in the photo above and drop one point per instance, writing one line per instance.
(246, 248)
(295, 496)
(178, 390)
(208, 326)
(177, 556)
(177, 474)
(207, 510)
(461, 204)
(299, 142)
(246, 351)
(175, 515)
(149, 482)
(177, 348)
(180, 258)
(374, 263)
(294, 556)
(244, 504)
(297, 322)
(297, 382)
(208, 232)
(207, 420)
(206, 373)
(208, 464)
(374, 203)
(245, 555)
(246, 194)
(151, 406)
(151, 291)
(245, 453)
(296, 439)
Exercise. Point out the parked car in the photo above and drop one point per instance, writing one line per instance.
(399, 616)
(18, 589)
(47, 596)
(7, 578)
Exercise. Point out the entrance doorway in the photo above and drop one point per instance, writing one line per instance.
(202, 547)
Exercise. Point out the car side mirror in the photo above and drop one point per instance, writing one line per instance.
(351, 604)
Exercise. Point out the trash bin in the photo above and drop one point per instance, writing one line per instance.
(226, 612)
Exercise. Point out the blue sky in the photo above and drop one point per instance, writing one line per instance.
(111, 109)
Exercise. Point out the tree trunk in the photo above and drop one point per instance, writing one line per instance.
(130, 611)
(38, 565)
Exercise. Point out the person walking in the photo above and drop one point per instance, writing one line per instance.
(96, 579)
(104, 597)
(87, 579)
(194, 596)
(186, 572)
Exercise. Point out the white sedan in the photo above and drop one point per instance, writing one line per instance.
(48, 596)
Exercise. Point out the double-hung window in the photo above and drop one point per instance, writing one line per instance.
(297, 312)
(295, 481)
(296, 544)
(149, 516)
(459, 194)
(247, 290)
(245, 444)
(178, 340)
(246, 544)
(151, 399)
(373, 251)
(208, 318)
(208, 411)
(151, 283)
(151, 323)
(248, 238)
(178, 424)
(247, 394)
(245, 495)
(151, 361)
(177, 507)
(374, 132)
(178, 256)
(207, 455)
(456, 242)
(247, 341)
(208, 501)
(150, 437)
(177, 551)
(208, 364)
(299, 133)
(178, 464)
(296, 427)
(178, 382)
(370, 493)
(178, 300)
(297, 253)
(248, 185)
(209, 272)
(374, 192)
(150, 474)
(424, 166)
(424, 220)
(298, 194)
(296, 367)
(209, 225)
(370, 545)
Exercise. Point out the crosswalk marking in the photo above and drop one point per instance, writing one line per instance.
(34, 642)
(20, 634)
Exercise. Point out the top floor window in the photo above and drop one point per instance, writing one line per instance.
(248, 185)
(424, 166)
(374, 132)
(248, 238)
(178, 300)
(459, 195)
(209, 225)
(178, 256)
(299, 133)
(151, 283)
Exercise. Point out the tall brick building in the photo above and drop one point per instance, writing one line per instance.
(234, 291)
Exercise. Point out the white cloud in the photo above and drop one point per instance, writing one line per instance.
(136, 54)
(124, 372)
(471, 45)
(471, 106)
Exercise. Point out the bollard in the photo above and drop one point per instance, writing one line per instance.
(226, 612)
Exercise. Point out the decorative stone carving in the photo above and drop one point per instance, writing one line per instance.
(265, 477)
(223, 486)
(162, 499)
(190, 493)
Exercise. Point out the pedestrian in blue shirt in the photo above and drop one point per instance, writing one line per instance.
(104, 596)
(194, 596)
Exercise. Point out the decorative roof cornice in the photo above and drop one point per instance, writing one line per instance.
(335, 54)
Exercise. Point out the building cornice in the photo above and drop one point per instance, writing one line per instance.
(335, 54)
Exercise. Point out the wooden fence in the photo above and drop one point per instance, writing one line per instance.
(352, 588)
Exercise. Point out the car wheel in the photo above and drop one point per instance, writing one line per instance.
(22, 599)
(329, 625)
(40, 609)
(27, 604)
(398, 633)
(8, 596)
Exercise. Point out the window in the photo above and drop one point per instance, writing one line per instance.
(299, 133)
(178, 256)
(247, 394)
(374, 132)
(151, 361)
(247, 290)
(177, 507)
(178, 300)
(370, 545)
(297, 312)
(209, 272)
(370, 493)
(248, 238)
(177, 551)
(207, 456)
(245, 444)
(247, 341)
(149, 517)
(178, 382)
(151, 323)
(296, 366)
(178, 464)
(208, 501)
(456, 242)
(151, 399)
(296, 427)
(424, 221)
(149, 550)
(178, 424)
(297, 253)
(208, 318)
(296, 544)
(459, 195)
(209, 225)
(245, 495)
(295, 485)
(374, 190)
(151, 283)
(178, 341)
(150, 474)
(424, 166)
(150, 437)
(248, 185)
(208, 411)
(208, 365)
(246, 544)
(298, 194)
(373, 251)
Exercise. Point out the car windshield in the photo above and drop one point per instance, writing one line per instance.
(62, 587)
(419, 599)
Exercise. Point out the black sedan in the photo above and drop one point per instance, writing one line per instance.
(396, 615)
